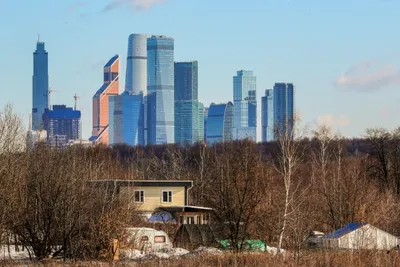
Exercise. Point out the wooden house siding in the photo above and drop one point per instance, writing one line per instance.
(153, 197)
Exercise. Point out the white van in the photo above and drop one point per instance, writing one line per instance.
(146, 239)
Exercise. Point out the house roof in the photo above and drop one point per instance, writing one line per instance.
(186, 208)
(345, 230)
(145, 183)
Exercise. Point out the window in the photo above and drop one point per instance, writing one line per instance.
(106, 76)
(190, 220)
(139, 196)
(144, 238)
(159, 239)
(167, 196)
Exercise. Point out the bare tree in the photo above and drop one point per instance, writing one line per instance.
(11, 164)
(235, 190)
(288, 159)
(379, 138)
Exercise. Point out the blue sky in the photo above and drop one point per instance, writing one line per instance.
(343, 56)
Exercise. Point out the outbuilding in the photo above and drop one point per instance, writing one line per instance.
(360, 236)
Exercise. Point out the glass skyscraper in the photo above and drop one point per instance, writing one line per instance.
(100, 101)
(126, 119)
(220, 122)
(189, 121)
(40, 86)
(115, 132)
(284, 107)
(267, 116)
(136, 64)
(245, 102)
(160, 90)
(205, 115)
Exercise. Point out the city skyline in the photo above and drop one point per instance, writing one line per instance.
(320, 65)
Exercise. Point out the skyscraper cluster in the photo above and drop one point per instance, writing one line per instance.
(160, 102)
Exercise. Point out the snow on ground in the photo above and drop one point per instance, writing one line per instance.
(135, 254)
(12, 254)
(207, 250)
(274, 250)
(132, 254)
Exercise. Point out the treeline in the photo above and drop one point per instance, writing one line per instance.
(277, 192)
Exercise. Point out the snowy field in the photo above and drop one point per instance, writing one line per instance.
(9, 253)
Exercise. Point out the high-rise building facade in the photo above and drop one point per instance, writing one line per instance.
(189, 121)
(115, 122)
(126, 119)
(267, 116)
(100, 101)
(220, 122)
(245, 102)
(136, 77)
(40, 86)
(62, 121)
(205, 115)
(136, 64)
(284, 108)
(160, 90)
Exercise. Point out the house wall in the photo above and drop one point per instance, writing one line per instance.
(153, 197)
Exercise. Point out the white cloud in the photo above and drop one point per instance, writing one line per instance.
(331, 121)
(135, 4)
(368, 76)
(74, 8)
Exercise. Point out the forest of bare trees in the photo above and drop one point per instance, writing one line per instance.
(277, 192)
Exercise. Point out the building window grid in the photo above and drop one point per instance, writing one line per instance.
(139, 196)
(166, 196)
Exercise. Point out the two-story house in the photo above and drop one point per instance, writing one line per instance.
(159, 200)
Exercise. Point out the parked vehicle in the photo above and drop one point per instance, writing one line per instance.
(145, 239)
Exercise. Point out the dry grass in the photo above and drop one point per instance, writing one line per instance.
(320, 259)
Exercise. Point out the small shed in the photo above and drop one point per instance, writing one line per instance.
(359, 236)
(194, 235)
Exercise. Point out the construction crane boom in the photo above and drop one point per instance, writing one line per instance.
(76, 97)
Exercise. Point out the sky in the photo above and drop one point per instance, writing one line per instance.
(343, 56)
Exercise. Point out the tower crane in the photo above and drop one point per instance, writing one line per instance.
(76, 97)
(48, 95)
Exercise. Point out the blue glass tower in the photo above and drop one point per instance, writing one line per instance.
(284, 107)
(40, 86)
(160, 89)
(220, 122)
(126, 115)
(267, 116)
(205, 115)
(245, 101)
(189, 122)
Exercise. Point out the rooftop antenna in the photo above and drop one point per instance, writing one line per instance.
(38, 37)
(76, 97)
